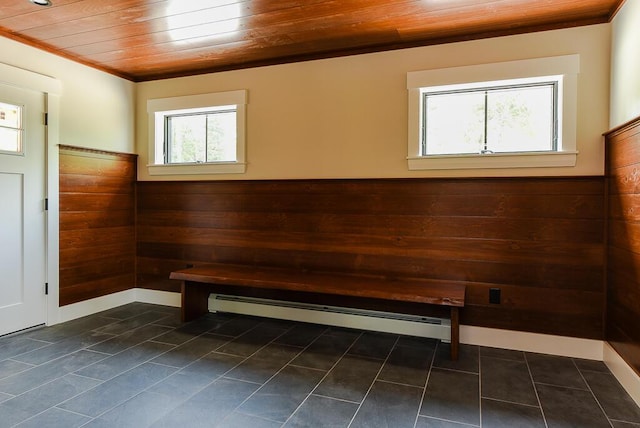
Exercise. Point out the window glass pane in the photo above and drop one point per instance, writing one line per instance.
(10, 124)
(520, 119)
(454, 123)
(221, 136)
(202, 137)
(187, 138)
(10, 140)
(10, 115)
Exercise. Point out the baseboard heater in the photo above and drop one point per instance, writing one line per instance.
(388, 322)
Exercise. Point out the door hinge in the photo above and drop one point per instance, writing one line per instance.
(46, 204)
(46, 119)
(46, 288)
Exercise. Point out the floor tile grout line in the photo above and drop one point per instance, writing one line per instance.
(592, 394)
(275, 374)
(398, 383)
(373, 382)
(222, 375)
(86, 348)
(173, 345)
(39, 386)
(148, 361)
(535, 390)
(573, 388)
(625, 422)
(130, 398)
(334, 398)
(306, 367)
(426, 382)
(16, 361)
(101, 383)
(134, 345)
(252, 416)
(51, 380)
(454, 370)
(138, 365)
(450, 421)
(119, 374)
(533, 406)
(56, 405)
(100, 329)
(353, 342)
(32, 417)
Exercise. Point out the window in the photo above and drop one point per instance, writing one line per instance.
(501, 117)
(199, 134)
(523, 117)
(10, 128)
(209, 136)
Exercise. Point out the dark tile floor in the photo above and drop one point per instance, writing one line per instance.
(138, 366)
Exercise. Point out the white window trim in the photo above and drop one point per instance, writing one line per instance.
(216, 99)
(568, 66)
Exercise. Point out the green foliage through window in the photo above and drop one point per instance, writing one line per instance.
(201, 137)
(503, 119)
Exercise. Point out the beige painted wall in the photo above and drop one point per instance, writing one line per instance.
(625, 64)
(347, 117)
(96, 108)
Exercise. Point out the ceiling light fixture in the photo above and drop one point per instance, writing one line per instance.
(41, 2)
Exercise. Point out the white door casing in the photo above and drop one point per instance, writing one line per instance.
(23, 217)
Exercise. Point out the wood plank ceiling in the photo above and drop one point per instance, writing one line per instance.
(152, 39)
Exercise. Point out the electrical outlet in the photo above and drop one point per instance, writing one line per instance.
(494, 296)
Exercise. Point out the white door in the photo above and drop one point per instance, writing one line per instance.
(22, 210)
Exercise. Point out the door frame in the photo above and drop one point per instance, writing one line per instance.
(52, 89)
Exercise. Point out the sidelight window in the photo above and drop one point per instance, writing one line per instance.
(11, 131)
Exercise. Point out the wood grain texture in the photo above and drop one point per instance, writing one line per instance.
(97, 223)
(345, 284)
(623, 241)
(540, 240)
(145, 40)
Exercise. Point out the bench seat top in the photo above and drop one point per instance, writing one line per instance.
(342, 284)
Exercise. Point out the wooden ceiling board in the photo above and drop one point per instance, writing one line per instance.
(153, 39)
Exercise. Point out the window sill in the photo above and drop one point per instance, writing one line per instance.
(198, 168)
(494, 161)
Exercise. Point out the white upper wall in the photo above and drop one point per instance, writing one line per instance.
(347, 117)
(625, 64)
(96, 108)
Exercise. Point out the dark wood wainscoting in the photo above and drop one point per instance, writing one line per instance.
(540, 240)
(97, 223)
(623, 248)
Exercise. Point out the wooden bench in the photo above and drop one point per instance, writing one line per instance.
(195, 294)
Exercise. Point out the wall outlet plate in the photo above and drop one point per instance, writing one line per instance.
(494, 296)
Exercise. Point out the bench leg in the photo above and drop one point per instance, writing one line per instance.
(195, 300)
(455, 332)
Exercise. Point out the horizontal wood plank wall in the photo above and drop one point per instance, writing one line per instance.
(623, 249)
(540, 240)
(97, 223)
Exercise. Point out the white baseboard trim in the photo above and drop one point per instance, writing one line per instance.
(156, 297)
(98, 304)
(627, 377)
(532, 342)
